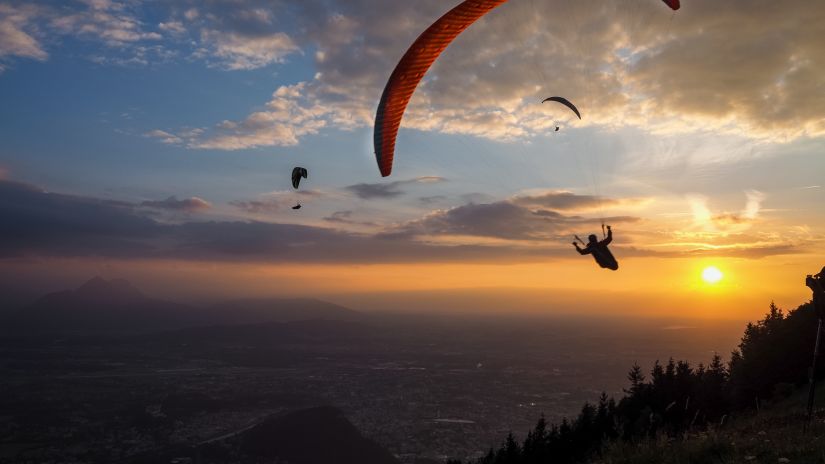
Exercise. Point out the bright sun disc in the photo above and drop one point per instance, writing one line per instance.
(712, 275)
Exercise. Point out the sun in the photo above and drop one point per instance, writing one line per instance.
(712, 275)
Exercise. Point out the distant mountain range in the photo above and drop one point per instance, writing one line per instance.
(106, 306)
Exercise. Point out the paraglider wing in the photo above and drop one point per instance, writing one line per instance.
(673, 4)
(564, 102)
(411, 69)
(297, 174)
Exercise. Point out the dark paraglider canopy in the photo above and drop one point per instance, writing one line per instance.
(298, 206)
(297, 173)
(564, 102)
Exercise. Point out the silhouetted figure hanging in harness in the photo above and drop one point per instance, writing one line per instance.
(599, 250)
(816, 283)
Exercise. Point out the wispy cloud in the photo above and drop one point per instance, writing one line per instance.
(108, 21)
(346, 218)
(286, 119)
(387, 190)
(704, 217)
(237, 52)
(172, 27)
(165, 137)
(275, 201)
(259, 206)
(17, 26)
(562, 200)
(186, 205)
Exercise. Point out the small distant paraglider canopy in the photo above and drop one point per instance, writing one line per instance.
(673, 4)
(564, 102)
(298, 206)
(297, 173)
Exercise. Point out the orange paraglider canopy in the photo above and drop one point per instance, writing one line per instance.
(411, 69)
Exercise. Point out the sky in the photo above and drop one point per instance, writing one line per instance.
(153, 140)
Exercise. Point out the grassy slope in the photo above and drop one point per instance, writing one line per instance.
(772, 436)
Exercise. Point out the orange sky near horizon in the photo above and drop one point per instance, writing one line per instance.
(644, 287)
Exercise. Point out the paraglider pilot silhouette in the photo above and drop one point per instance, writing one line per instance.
(599, 250)
(816, 283)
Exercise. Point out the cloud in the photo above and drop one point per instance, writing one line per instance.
(44, 224)
(749, 214)
(622, 66)
(259, 206)
(235, 51)
(187, 205)
(703, 216)
(172, 27)
(24, 27)
(504, 220)
(286, 119)
(165, 137)
(16, 36)
(748, 252)
(562, 200)
(762, 76)
(50, 224)
(388, 190)
(345, 218)
(107, 21)
(432, 199)
(275, 201)
(638, 66)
